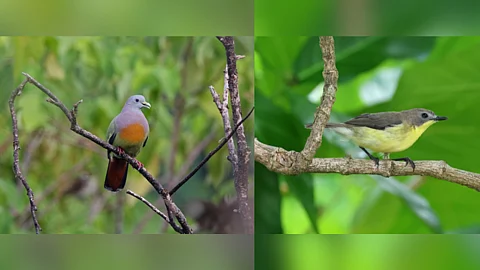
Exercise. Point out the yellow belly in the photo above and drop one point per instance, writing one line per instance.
(391, 140)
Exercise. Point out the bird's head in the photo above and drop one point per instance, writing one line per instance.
(137, 101)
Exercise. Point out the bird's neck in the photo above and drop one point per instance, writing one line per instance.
(422, 128)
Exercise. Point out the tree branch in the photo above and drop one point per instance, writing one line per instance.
(16, 161)
(211, 154)
(281, 161)
(286, 162)
(158, 212)
(186, 164)
(322, 114)
(243, 153)
(72, 117)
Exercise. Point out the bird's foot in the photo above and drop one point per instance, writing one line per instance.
(139, 164)
(372, 157)
(407, 160)
(120, 150)
(376, 160)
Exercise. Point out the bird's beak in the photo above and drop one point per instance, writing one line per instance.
(440, 118)
(146, 105)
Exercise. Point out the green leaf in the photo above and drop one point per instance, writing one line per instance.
(355, 55)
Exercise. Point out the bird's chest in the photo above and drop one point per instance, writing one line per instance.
(400, 138)
(390, 140)
(133, 133)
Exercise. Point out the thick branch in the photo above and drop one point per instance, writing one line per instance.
(281, 161)
(16, 160)
(71, 115)
(322, 114)
(243, 153)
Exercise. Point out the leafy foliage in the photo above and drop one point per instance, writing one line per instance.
(375, 74)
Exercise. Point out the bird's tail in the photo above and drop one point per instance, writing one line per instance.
(329, 125)
(116, 174)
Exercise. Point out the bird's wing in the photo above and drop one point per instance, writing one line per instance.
(376, 120)
(111, 134)
(145, 142)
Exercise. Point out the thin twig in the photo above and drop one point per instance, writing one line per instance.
(213, 152)
(16, 161)
(243, 153)
(186, 164)
(222, 106)
(158, 212)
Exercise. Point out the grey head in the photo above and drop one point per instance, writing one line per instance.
(136, 102)
(421, 116)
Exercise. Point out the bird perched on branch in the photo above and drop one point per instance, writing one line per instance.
(129, 132)
(386, 132)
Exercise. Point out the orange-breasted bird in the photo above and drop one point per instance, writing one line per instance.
(129, 132)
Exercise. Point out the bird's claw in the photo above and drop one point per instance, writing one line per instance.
(139, 164)
(377, 162)
(120, 150)
(408, 161)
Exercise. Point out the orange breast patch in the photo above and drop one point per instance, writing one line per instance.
(134, 133)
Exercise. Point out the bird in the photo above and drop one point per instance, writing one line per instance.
(386, 132)
(128, 131)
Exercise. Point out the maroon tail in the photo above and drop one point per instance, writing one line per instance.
(116, 175)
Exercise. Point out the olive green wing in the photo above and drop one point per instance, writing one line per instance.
(111, 135)
(378, 121)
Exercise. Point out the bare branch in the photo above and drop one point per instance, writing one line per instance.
(213, 152)
(322, 114)
(71, 115)
(281, 161)
(243, 153)
(16, 161)
(186, 164)
(158, 212)
(223, 109)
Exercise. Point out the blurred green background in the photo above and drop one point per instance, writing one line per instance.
(123, 252)
(375, 74)
(367, 17)
(66, 171)
(131, 17)
(373, 252)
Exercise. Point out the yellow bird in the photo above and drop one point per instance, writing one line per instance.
(386, 132)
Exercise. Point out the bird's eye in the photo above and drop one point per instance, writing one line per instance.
(136, 100)
(424, 115)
